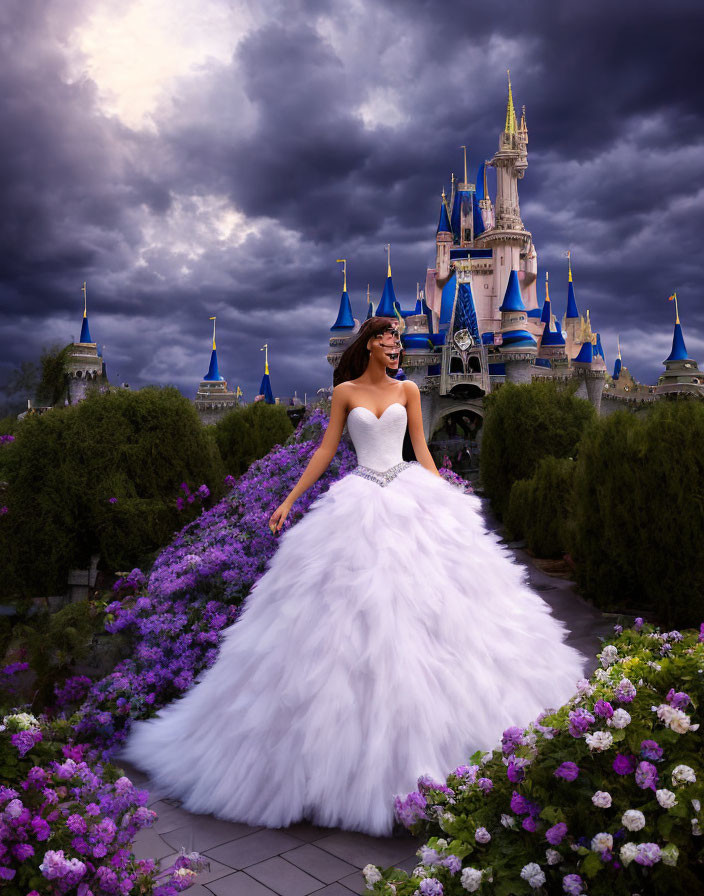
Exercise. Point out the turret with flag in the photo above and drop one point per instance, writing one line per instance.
(682, 373)
(213, 374)
(265, 387)
(85, 330)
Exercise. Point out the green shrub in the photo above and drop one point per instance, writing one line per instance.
(540, 508)
(524, 424)
(639, 512)
(65, 465)
(247, 433)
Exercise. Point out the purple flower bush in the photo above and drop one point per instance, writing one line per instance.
(602, 796)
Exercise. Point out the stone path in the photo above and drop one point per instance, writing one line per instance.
(304, 858)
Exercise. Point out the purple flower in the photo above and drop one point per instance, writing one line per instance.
(515, 772)
(556, 833)
(180, 503)
(638, 624)
(679, 700)
(625, 691)
(203, 491)
(648, 854)
(112, 500)
(519, 804)
(452, 863)
(603, 708)
(573, 884)
(580, 720)
(624, 764)
(431, 886)
(22, 851)
(4, 509)
(529, 823)
(650, 749)
(511, 738)
(26, 740)
(618, 629)
(567, 770)
(485, 784)
(646, 775)
(184, 487)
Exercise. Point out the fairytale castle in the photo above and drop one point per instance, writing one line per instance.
(480, 322)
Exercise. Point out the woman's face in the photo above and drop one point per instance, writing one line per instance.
(386, 347)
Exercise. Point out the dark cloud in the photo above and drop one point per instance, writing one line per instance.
(329, 132)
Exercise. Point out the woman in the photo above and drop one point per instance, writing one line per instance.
(391, 636)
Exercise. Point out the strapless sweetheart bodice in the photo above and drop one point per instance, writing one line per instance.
(378, 441)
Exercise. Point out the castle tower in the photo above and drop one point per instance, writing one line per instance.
(682, 373)
(388, 303)
(443, 243)
(346, 325)
(85, 365)
(617, 363)
(552, 344)
(265, 386)
(518, 347)
(213, 398)
(571, 322)
(590, 367)
(511, 243)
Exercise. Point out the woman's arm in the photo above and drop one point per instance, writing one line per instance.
(321, 458)
(415, 427)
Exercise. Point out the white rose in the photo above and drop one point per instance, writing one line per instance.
(419, 871)
(599, 740)
(585, 687)
(601, 675)
(553, 857)
(533, 874)
(471, 879)
(666, 798)
(619, 719)
(682, 723)
(633, 820)
(602, 799)
(602, 841)
(696, 805)
(481, 835)
(628, 852)
(696, 830)
(683, 774)
(608, 655)
(23, 720)
(442, 843)
(508, 821)
(371, 874)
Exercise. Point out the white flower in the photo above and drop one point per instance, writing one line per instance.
(633, 820)
(471, 879)
(420, 871)
(553, 857)
(601, 675)
(608, 655)
(371, 874)
(696, 830)
(22, 720)
(666, 798)
(481, 835)
(445, 819)
(669, 854)
(602, 841)
(508, 821)
(696, 805)
(585, 687)
(683, 774)
(442, 843)
(602, 799)
(599, 740)
(628, 852)
(682, 723)
(533, 874)
(619, 719)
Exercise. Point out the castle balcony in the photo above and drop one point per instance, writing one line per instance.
(464, 374)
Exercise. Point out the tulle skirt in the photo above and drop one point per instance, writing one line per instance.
(391, 636)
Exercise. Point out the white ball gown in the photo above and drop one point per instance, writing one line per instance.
(390, 636)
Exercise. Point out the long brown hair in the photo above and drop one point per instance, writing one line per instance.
(353, 361)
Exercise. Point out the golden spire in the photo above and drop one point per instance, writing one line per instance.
(388, 259)
(511, 124)
(343, 262)
(547, 294)
(213, 320)
(85, 300)
(618, 343)
(569, 267)
(465, 163)
(265, 349)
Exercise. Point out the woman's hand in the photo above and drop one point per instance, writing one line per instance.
(276, 520)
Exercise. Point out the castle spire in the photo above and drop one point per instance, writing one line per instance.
(387, 304)
(213, 374)
(571, 301)
(345, 319)
(85, 331)
(511, 123)
(679, 350)
(545, 316)
(617, 363)
(265, 387)
(444, 222)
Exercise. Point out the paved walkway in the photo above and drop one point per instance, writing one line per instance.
(303, 858)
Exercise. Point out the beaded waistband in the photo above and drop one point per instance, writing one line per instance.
(383, 477)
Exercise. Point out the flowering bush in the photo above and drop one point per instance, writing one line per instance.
(601, 796)
(66, 825)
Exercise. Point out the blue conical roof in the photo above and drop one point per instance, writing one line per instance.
(370, 311)
(444, 223)
(388, 298)
(265, 390)
(344, 321)
(617, 368)
(599, 350)
(213, 374)
(551, 337)
(512, 297)
(571, 301)
(679, 350)
(479, 186)
(545, 314)
(85, 332)
(586, 353)
(477, 220)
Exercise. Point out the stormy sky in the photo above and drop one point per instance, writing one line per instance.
(190, 159)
